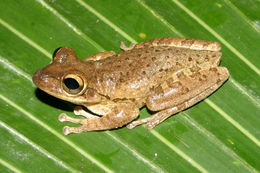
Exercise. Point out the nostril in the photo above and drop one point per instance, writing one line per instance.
(37, 75)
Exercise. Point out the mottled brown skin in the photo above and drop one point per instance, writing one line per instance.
(167, 75)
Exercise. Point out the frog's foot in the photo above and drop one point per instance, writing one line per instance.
(67, 130)
(78, 110)
(125, 48)
(155, 119)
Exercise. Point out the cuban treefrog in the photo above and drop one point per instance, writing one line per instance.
(167, 75)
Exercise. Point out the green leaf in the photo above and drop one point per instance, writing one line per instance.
(220, 134)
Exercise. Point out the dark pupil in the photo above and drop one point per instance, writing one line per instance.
(71, 83)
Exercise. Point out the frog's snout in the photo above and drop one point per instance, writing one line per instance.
(41, 79)
(36, 77)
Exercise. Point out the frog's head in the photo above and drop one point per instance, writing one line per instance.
(64, 78)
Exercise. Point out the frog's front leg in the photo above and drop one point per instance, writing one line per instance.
(177, 96)
(125, 48)
(99, 56)
(114, 115)
(78, 110)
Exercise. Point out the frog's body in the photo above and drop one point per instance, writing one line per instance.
(167, 75)
(132, 74)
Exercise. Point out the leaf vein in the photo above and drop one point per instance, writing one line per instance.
(9, 166)
(44, 125)
(226, 43)
(37, 147)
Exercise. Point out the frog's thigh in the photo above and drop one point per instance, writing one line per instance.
(181, 42)
(171, 93)
(182, 94)
(99, 56)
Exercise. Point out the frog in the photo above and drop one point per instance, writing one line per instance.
(167, 75)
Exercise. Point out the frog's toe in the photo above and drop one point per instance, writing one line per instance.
(130, 126)
(66, 130)
(63, 117)
(136, 123)
(150, 125)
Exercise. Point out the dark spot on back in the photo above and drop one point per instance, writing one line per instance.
(194, 69)
(213, 69)
(186, 90)
(111, 79)
(205, 45)
(206, 58)
(180, 75)
(170, 82)
(219, 81)
(190, 59)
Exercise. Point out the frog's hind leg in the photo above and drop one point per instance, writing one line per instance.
(181, 43)
(99, 56)
(181, 94)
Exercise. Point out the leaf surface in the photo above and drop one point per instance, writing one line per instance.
(220, 134)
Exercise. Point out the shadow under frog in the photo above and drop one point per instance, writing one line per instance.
(53, 101)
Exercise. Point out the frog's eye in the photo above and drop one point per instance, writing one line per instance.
(55, 52)
(73, 84)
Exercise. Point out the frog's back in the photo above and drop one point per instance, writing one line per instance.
(132, 74)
